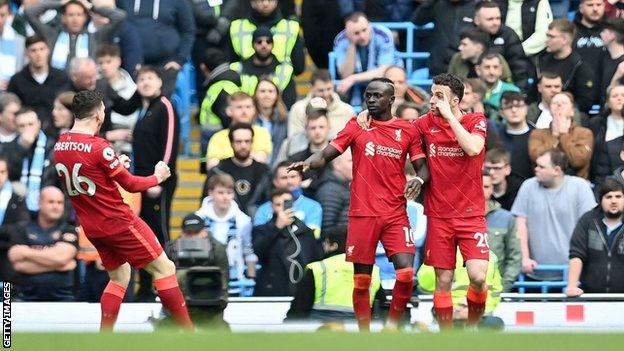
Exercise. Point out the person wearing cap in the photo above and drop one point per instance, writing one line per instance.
(264, 63)
(611, 71)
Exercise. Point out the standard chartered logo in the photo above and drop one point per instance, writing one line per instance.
(370, 149)
(432, 150)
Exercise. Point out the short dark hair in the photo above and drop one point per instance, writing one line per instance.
(8, 98)
(236, 126)
(316, 114)
(478, 86)
(548, 75)
(557, 158)
(24, 110)
(34, 39)
(488, 55)
(609, 185)
(497, 155)
(562, 25)
(283, 164)
(355, 16)
(451, 81)
(213, 57)
(486, 4)
(512, 96)
(404, 106)
(384, 80)
(279, 192)
(148, 69)
(616, 25)
(85, 103)
(73, 2)
(337, 235)
(320, 74)
(108, 49)
(476, 35)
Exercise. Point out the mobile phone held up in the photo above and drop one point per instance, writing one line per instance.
(288, 204)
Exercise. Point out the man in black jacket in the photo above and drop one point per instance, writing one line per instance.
(333, 192)
(597, 245)
(588, 25)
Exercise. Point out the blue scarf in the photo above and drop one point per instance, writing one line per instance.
(8, 53)
(31, 173)
(5, 197)
(61, 49)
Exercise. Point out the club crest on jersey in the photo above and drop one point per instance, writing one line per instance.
(481, 126)
(397, 134)
(350, 250)
(108, 153)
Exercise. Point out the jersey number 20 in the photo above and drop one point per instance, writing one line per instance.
(74, 183)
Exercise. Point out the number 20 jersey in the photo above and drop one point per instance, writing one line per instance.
(86, 165)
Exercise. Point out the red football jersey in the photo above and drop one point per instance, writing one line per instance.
(456, 184)
(379, 155)
(86, 165)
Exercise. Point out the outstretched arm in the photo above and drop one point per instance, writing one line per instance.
(317, 160)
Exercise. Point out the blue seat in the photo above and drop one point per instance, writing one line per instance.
(182, 98)
(546, 285)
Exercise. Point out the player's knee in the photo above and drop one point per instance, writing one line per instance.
(361, 281)
(121, 275)
(167, 267)
(478, 279)
(405, 275)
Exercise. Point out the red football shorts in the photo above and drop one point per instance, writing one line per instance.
(363, 234)
(136, 245)
(444, 235)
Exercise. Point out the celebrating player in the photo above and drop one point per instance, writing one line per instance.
(377, 209)
(89, 168)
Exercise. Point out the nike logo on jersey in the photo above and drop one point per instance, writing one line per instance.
(435, 130)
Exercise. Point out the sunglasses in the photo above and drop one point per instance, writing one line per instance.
(260, 41)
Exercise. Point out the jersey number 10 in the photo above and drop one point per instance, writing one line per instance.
(74, 183)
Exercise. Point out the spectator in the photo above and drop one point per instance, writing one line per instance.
(284, 246)
(514, 134)
(490, 70)
(503, 40)
(227, 224)
(613, 9)
(83, 74)
(338, 112)
(44, 252)
(588, 23)
(333, 192)
(608, 132)
(13, 217)
(597, 246)
(272, 113)
(109, 61)
(611, 65)
(171, 48)
(37, 83)
(529, 19)
(241, 109)
(325, 291)
(10, 104)
(248, 173)
(576, 75)
(264, 63)
(405, 93)
(504, 185)
(72, 39)
(321, 20)
(474, 93)
(502, 237)
(473, 42)
(11, 47)
(408, 111)
(546, 209)
(20, 23)
(286, 34)
(549, 84)
(575, 141)
(304, 208)
(363, 52)
(450, 17)
(62, 116)
(155, 138)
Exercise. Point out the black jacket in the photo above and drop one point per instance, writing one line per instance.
(15, 219)
(334, 196)
(450, 18)
(603, 265)
(15, 154)
(587, 42)
(606, 155)
(320, 20)
(507, 43)
(273, 246)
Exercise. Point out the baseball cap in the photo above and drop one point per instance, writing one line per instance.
(192, 223)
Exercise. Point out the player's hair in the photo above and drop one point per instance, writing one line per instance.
(34, 39)
(451, 81)
(85, 103)
(148, 69)
(213, 57)
(283, 164)
(497, 155)
(478, 86)
(320, 74)
(279, 192)
(220, 179)
(488, 55)
(557, 158)
(107, 49)
(66, 98)
(73, 2)
(548, 75)
(239, 96)
(355, 16)
(406, 106)
(8, 98)
(237, 126)
(609, 185)
(511, 96)
(385, 80)
(562, 25)
(476, 36)
(486, 4)
(316, 114)
(338, 235)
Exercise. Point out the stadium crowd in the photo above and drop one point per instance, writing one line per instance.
(548, 75)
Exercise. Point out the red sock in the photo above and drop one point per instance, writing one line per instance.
(172, 300)
(401, 293)
(361, 300)
(110, 302)
(443, 306)
(476, 304)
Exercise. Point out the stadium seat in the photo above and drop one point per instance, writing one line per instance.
(182, 98)
(545, 285)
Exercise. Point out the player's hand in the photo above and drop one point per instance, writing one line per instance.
(573, 291)
(124, 160)
(363, 119)
(154, 192)
(528, 265)
(300, 166)
(412, 189)
(284, 218)
(444, 107)
(162, 171)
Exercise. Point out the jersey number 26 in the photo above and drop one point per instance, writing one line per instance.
(74, 183)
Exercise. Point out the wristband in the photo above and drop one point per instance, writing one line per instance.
(419, 179)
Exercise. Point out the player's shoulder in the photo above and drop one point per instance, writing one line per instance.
(474, 116)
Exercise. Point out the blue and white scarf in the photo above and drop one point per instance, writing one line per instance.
(31, 173)
(8, 53)
(61, 49)
(5, 197)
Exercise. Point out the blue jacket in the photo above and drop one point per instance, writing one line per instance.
(131, 48)
(166, 28)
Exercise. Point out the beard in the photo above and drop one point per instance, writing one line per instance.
(613, 215)
(242, 155)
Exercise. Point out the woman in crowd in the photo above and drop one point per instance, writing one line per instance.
(608, 130)
(271, 113)
(61, 113)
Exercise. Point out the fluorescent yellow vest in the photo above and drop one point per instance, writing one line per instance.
(333, 282)
(285, 34)
(207, 118)
(281, 77)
